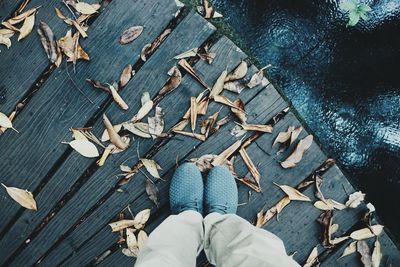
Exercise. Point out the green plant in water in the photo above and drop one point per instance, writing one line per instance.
(356, 11)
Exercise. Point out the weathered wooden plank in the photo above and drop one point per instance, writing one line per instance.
(180, 148)
(7, 7)
(117, 259)
(298, 226)
(173, 102)
(145, 77)
(59, 106)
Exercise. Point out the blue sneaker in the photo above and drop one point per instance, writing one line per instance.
(221, 193)
(186, 189)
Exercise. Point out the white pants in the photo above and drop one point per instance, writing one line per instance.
(228, 241)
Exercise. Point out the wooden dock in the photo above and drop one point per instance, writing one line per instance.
(77, 199)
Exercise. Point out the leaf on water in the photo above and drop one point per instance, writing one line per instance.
(130, 34)
(235, 86)
(156, 123)
(117, 98)
(120, 225)
(186, 66)
(22, 197)
(99, 85)
(141, 218)
(227, 153)
(200, 137)
(48, 41)
(138, 128)
(114, 136)
(350, 249)
(190, 53)
(193, 112)
(258, 78)
(86, 9)
(152, 167)
(297, 154)
(367, 232)
(152, 191)
(218, 85)
(312, 259)
(363, 249)
(238, 73)
(147, 105)
(355, 199)
(27, 27)
(293, 193)
(173, 82)
(126, 76)
(376, 254)
(265, 128)
(85, 148)
(141, 240)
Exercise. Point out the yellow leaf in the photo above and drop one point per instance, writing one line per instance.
(85, 148)
(293, 193)
(23, 197)
(27, 27)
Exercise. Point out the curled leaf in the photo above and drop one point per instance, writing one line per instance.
(120, 225)
(173, 82)
(376, 254)
(48, 41)
(99, 85)
(138, 128)
(126, 75)
(221, 158)
(186, 66)
(152, 167)
(117, 98)
(293, 193)
(141, 218)
(258, 78)
(312, 259)
(5, 41)
(218, 85)
(114, 136)
(86, 9)
(130, 34)
(238, 73)
(190, 53)
(297, 154)
(367, 232)
(156, 123)
(350, 249)
(200, 137)
(141, 240)
(235, 86)
(355, 199)
(250, 165)
(265, 128)
(363, 249)
(27, 27)
(22, 197)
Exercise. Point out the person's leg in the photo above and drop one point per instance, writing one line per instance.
(230, 240)
(177, 241)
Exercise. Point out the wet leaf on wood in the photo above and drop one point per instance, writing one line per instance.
(152, 191)
(367, 232)
(152, 167)
(48, 41)
(114, 136)
(376, 254)
(297, 154)
(130, 34)
(355, 199)
(225, 101)
(126, 76)
(27, 27)
(173, 82)
(218, 85)
(363, 249)
(190, 53)
(227, 153)
(293, 193)
(283, 137)
(258, 78)
(85, 148)
(238, 73)
(21, 17)
(22, 197)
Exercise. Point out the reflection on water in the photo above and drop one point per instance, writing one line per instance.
(345, 82)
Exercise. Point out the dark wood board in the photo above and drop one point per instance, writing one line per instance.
(7, 8)
(161, 63)
(44, 123)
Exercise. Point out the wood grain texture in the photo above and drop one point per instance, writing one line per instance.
(7, 8)
(152, 75)
(45, 122)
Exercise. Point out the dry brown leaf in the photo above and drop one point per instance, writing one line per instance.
(295, 133)
(350, 249)
(227, 153)
(200, 137)
(190, 53)
(114, 136)
(117, 98)
(238, 73)
(235, 86)
(193, 112)
(5, 41)
(224, 100)
(5, 122)
(141, 218)
(22, 197)
(27, 27)
(141, 240)
(186, 66)
(325, 219)
(218, 85)
(19, 18)
(263, 218)
(297, 154)
(173, 82)
(329, 204)
(120, 225)
(208, 56)
(250, 165)
(156, 123)
(258, 78)
(376, 254)
(86, 9)
(152, 167)
(105, 137)
(180, 125)
(147, 105)
(130, 34)
(283, 137)
(367, 232)
(132, 244)
(238, 110)
(355, 199)
(85, 148)
(293, 193)
(126, 76)
(48, 41)
(138, 128)
(99, 85)
(363, 249)
(265, 128)
(312, 260)
(152, 191)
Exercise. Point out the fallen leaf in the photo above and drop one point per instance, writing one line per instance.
(156, 123)
(208, 56)
(19, 18)
(250, 165)
(85, 148)
(200, 137)
(85, 8)
(193, 112)
(297, 154)
(325, 219)
(363, 249)
(218, 85)
(263, 218)
(78, 135)
(283, 137)
(173, 82)
(312, 259)
(152, 191)
(355, 199)
(293, 193)
(350, 249)
(5, 41)
(224, 100)
(152, 167)
(258, 78)
(141, 240)
(329, 204)
(6, 122)
(105, 137)
(376, 254)
(238, 110)
(190, 53)
(208, 11)
(48, 41)
(126, 76)
(138, 128)
(180, 125)
(117, 98)
(147, 105)
(130, 34)
(120, 225)
(186, 66)
(235, 86)
(295, 133)
(22, 197)
(238, 73)
(132, 249)
(114, 136)
(141, 218)
(265, 128)
(27, 27)
(99, 85)
(227, 153)
(367, 232)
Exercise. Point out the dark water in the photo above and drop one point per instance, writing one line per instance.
(345, 82)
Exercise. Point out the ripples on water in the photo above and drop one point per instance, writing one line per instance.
(345, 82)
